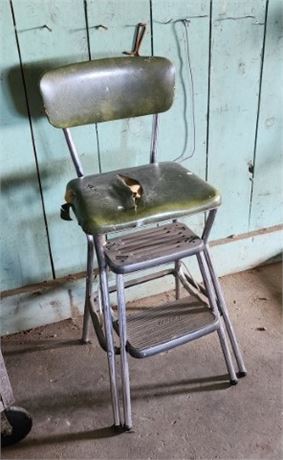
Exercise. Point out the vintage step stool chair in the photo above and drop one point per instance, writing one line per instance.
(115, 88)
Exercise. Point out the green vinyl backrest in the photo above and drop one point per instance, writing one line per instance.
(107, 89)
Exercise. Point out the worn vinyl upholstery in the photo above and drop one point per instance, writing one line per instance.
(115, 88)
(104, 202)
(107, 89)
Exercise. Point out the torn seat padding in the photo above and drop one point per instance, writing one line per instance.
(104, 202)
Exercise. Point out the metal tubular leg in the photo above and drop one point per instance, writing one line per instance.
(110, 347)
(153, 147)
(73, 152)
(124, 356)
(177, 279)
(208, 224)
(108, 328)
(221, 331)
(226, 318)
(88, 289)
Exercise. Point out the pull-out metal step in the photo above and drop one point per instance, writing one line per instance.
(163, 327)
(148, 248)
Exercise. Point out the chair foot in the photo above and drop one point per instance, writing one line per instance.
(86, 325)
(233, 382)
(241, 374)
(118, 428)
(127, 428)
(85, 341)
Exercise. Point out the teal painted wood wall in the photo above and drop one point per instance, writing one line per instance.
(235, 54)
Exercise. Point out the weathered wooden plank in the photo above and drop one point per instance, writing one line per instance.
(24, 249)
(182, 131)
(51, 34)
(267, 199)
(237, 37)
(123, 142)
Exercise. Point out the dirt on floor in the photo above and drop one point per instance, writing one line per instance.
(183, 405)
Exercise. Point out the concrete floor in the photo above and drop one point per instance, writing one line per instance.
(183, 407)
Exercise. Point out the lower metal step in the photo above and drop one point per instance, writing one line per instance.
(157, 329)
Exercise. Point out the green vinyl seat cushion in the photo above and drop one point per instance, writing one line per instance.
(137, 196)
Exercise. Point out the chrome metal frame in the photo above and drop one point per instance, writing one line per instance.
(210, 289)
(153, 146)
(103, 279)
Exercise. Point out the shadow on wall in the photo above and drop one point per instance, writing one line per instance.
(27, 179)
(32, 73)
(16, 100)
(24, 251)
(273, 260)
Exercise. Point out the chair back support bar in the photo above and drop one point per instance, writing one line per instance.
(107, 89)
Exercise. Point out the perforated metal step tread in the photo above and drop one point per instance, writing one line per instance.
(148, 248)
(163, 327)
